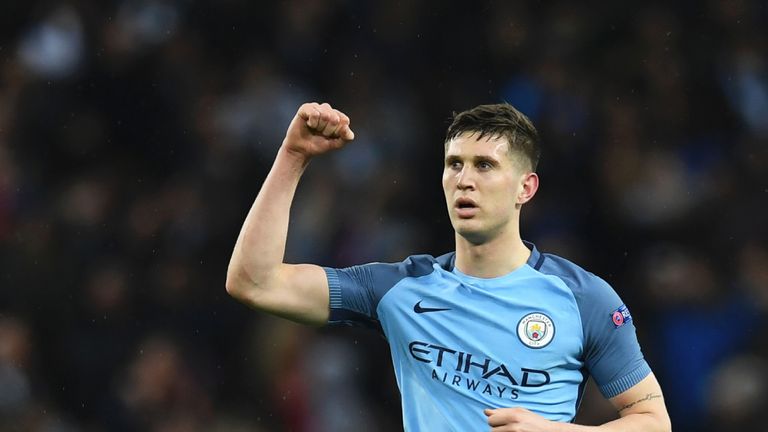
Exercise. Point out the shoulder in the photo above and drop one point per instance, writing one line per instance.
(421, 265)
(415, 266)
(388, 274)
(355, 292)
(583, 283)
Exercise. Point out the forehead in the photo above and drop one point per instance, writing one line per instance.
(468, 144)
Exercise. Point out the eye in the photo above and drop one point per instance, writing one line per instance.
(484, 165)
(455, 165)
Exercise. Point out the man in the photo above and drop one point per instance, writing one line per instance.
(495, 334)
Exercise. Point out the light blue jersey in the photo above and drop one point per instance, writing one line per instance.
(461, 344)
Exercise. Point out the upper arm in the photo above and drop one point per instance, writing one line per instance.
(298, 292)
(615, 360)
(316, 295)
(644, 397)
(611, 352)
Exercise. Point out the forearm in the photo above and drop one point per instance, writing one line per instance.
(645, 422)
(260, 246)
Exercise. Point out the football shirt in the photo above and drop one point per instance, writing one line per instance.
(461, 344)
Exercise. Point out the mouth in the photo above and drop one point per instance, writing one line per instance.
(466, 208)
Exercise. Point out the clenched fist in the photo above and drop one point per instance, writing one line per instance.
(317, 129)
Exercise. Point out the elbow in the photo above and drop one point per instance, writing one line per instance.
(238, 284)
(666, 424)
(232, 285)
(244, 287)
(663, 423)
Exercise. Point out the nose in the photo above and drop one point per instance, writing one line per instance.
(465, 179)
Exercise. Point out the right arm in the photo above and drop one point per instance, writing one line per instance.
(257, 275)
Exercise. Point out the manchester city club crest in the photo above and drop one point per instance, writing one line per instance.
(536, 330)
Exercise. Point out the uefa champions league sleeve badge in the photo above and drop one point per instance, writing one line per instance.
(536, 330)
(621, 316)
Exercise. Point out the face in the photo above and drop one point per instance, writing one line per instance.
(484, 187)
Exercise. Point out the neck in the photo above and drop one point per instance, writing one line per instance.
(493, 258)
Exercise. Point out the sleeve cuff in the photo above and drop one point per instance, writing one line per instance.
(334, 288)
(626, 382)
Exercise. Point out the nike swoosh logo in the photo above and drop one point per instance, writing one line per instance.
(420, 310)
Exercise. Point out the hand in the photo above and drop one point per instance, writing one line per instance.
(517, 420)
(317, 129)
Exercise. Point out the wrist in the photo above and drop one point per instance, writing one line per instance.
(292, 158)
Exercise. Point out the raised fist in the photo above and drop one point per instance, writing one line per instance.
(316, 129)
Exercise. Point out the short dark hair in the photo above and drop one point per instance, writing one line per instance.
(499, 120)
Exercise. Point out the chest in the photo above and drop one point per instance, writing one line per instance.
(529, 323)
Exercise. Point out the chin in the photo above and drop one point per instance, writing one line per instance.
(470, 231)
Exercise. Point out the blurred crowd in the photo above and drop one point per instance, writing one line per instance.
(134, 135)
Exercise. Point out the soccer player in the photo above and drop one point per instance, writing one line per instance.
(494, 335)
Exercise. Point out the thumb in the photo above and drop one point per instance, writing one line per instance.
(488, 412)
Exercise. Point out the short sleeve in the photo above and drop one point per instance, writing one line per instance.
(612, 352)
(355, 292)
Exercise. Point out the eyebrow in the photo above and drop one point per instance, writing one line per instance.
(450, 158)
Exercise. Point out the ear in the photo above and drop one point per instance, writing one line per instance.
(530, 184)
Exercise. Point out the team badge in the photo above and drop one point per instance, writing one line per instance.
(536, 330)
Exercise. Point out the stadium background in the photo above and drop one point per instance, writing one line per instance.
(135, 134)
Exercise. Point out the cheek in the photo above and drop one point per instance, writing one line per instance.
(505, 196)
(447, 181)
